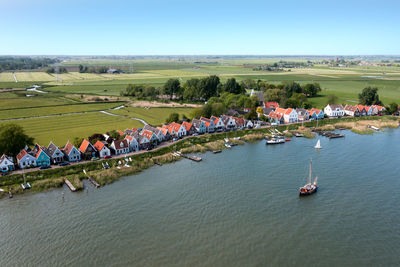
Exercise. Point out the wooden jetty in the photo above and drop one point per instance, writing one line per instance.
(217, 151)
(194, 158)
(70, 185)
(93, 181)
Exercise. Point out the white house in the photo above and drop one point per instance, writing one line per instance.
(120, 147)
(249, 124)
(133, 143)
(71, 153)
(102, 149)
(229, 122)
(219, 124)
(289, 115)
(25, 160)
(334, 110)
(6, 164)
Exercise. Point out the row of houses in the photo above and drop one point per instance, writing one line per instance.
(290, 115)
(131, 140)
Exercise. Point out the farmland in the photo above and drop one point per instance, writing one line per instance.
(153, 116)
(60, 129)
(71, 92)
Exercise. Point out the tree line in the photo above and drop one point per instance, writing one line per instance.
(8, 63)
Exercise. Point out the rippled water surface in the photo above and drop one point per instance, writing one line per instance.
(237, 208)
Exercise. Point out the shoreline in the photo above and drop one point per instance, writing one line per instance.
(44, 180)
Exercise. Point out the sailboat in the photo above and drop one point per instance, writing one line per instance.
(309, 188)
(318, 145)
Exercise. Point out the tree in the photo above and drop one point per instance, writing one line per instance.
(260, 110)
(173, 117)
(392, 108)
(331, 99)
(191, 90)
(218, 109)
(233, 87)
(13, 139)
(208, 86)
(274, 95)
(78, 141)
(296, 100)
(114, 134)
(173, 87)
(252, 115)
(369, 96)
(50, 70)
(291, 88)
(311, 89)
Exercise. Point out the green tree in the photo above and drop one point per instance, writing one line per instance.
(331, 99)
(50, 70)
(77, 141)
(173, 117)
(191, 90)
(392, 108)
(208, 86)
(296, 100)
(13, 139)
(233, 87)
(218, 109)
(173, 87)
(311, 89)
(291, 87)
(274, 95)
(369, 96)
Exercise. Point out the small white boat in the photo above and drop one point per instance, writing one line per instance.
(23, 186)
(226, 140)
(275, 141)
(28, 185)
(318, 145)
(228, 145)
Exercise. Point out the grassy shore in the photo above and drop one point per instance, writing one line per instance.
(54, 178)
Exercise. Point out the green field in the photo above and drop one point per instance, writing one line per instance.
(60, 129)
(23, 112)
(67, 92)
(153, 116)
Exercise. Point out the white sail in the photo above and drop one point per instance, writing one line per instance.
(318, 145)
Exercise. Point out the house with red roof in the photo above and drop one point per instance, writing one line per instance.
(209, 124)
(132, 142)
(276, 118)
(273, 105)
(219, 124)
(25, 160)
(42, 158)
(72, 154)
(167, 135)
(120, 147)
(369, 110)
(362, 110)
(239, 122)
(316, 114)
(289, 115)
(88, 151)
(352, 111)
(102, 149)
(6, 164)
(229, 122)
(159, 134)
(189, 128)
(176, 129)
(377, 110)
(150, 136)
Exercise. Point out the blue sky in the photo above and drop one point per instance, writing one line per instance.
(178, 27)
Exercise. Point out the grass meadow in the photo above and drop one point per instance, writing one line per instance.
(153, 116)
(60, 129)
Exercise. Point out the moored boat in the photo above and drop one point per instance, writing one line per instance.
(275, 141)
(309, 188)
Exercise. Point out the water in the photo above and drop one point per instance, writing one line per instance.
(237, 208)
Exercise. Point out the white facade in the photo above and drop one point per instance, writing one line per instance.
(6, 164)
(105, 151)
(291, 117)
(27, 161)
(334, 111)
(133, 144)
(181, 132)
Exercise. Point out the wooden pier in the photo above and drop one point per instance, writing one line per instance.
(194, 158)
(93, 181)
(69, 184)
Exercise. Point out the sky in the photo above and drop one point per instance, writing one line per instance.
(185, 27)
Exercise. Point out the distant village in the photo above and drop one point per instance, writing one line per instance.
(149, 137)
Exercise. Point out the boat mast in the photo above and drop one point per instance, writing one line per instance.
(310, 170)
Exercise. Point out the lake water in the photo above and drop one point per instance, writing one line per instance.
(237, 208)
